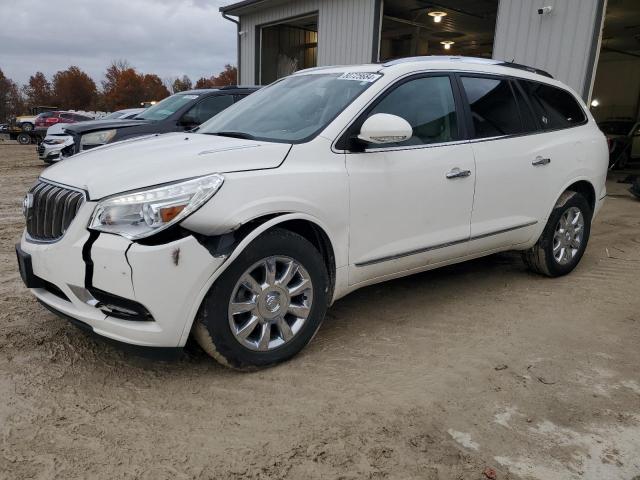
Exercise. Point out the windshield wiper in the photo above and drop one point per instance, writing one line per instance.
(243, 135)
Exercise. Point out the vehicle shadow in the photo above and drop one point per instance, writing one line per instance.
(454, 282)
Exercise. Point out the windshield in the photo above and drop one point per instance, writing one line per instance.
(291, 110)
(166, 107)
(616, 128)
(117, 114)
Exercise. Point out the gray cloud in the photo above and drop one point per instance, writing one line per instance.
(167, 37)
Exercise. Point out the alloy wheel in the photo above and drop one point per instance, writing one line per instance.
(270, 303)
(568, 236)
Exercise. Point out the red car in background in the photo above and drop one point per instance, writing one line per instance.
(46, 119)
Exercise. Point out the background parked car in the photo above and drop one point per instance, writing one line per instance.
(56, 139)
(623, 137)
(123, 114)
(27, 123)
(46, 119)
(180, 112)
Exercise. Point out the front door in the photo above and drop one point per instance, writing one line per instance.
(410, 202)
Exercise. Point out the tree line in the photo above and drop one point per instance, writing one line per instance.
(122, 87)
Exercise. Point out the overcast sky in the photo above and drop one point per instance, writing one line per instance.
(167, 37)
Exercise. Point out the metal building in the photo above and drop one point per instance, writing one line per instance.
(563, 37)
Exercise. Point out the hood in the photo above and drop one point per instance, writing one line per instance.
(93, 125)
(57, 129)
(153, 160)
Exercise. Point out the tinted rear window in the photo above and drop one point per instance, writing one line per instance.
(493, 107)
(554, 108)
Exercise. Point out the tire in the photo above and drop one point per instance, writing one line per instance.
(26, 127)
(24, 139)
(542, 258)
(217, 330)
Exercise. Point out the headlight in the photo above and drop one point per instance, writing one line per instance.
(56, 141)
(95, 139)
(145, 212)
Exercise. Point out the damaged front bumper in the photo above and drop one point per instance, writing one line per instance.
(139, 294)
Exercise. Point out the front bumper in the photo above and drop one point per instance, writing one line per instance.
(167, 280)
(51, 152)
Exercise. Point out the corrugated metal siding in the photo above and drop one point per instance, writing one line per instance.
(560, 42)
(345, 31)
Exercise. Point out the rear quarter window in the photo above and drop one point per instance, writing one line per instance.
(554, 107)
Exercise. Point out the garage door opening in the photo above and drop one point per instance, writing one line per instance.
(287, 47)
(615, 101)
(454, 27)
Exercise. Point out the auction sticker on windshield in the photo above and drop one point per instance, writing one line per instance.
(360, 76)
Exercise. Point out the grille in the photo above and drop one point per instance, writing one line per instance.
(52, 210)
(41, 149)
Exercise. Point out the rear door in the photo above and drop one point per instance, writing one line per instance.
(513, 171)
(523, 155)
(408, 209)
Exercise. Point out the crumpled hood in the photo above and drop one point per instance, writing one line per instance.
(153, 160)
(94, 125)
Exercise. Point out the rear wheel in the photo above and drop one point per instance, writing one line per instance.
(26, 126)
(24, 139)
(267, 305)
(564, 238)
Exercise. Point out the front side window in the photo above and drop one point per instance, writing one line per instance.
(291, 110)
(209, 107)
(493, 107)
(428, 105)
(554, 107)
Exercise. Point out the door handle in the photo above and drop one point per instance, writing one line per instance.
(539, 161)
(457, 173)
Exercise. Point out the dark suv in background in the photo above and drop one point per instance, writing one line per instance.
(180, 112)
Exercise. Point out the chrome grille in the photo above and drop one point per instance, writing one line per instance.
(51, 210)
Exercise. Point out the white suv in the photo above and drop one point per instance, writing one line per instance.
(244, 232)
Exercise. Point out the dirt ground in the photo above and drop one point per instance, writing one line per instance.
(438, 375)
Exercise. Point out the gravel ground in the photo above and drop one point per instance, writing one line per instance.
(439, 375)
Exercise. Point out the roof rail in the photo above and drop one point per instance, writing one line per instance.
(477, 60)
(439, 58)
(525, 68)
(235, 87)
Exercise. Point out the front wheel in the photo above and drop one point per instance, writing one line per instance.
(564, 238)
(267, 305)
(26, 127)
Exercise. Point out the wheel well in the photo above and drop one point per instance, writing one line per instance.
(586, 190)
(319, 239)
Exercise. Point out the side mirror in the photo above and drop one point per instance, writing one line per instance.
(384, 128)
(188, 121)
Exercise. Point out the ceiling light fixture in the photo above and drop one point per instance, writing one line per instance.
(437, 16)
(595, 103)
(447, 44)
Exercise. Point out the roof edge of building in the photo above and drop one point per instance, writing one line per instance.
(239, 5)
